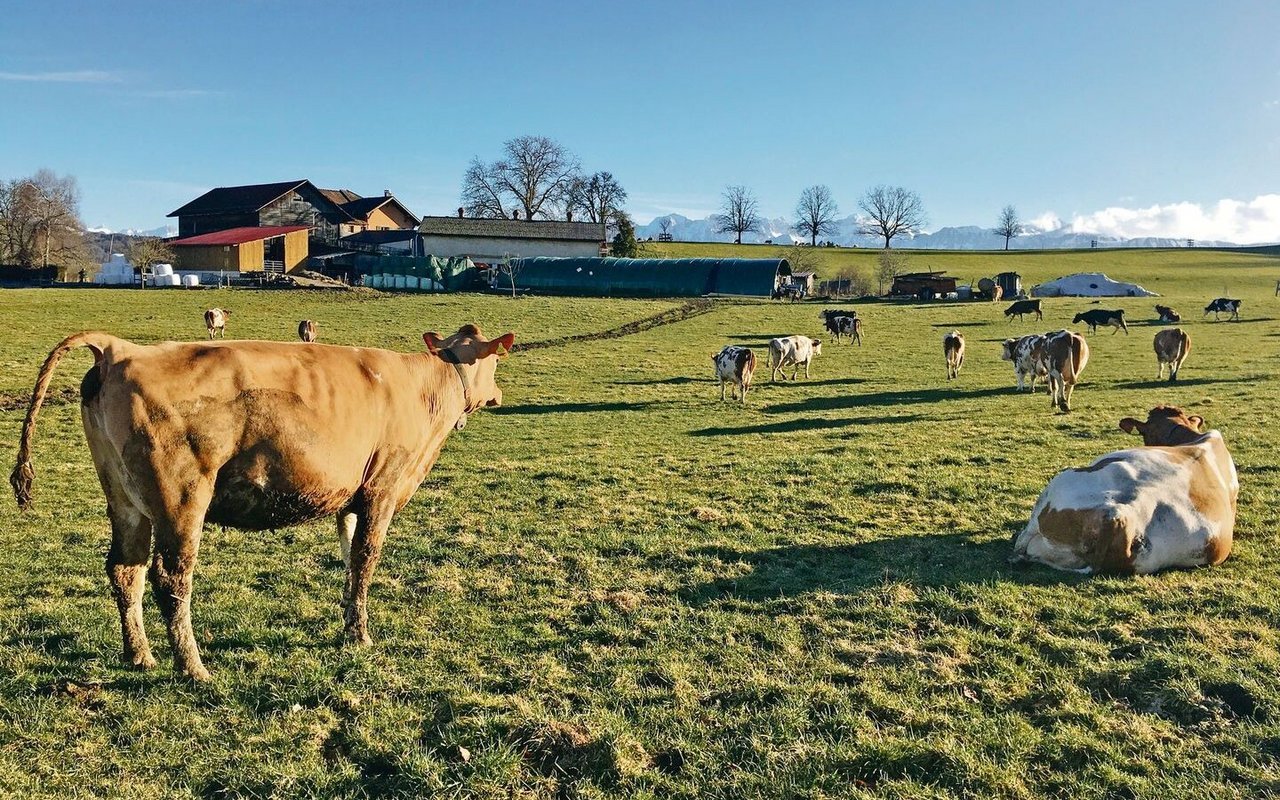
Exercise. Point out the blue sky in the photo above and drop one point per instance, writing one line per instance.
(1070, 110)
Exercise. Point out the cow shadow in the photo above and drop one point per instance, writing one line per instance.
(760, 384)
(892, 398)
(572, 408)
(807, 424)
(928, 560)
(959, 324)
(675, 381)
(1164, 383)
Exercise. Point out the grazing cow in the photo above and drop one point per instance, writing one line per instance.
(735, 365)
(1065, 355)
(215, 319)
(1172, 346)
(793, 350)
(1098, 316)
(953, 352)
(1223, 305)
(1021, 307)
(1167, 314)
(1169, 503)
(841, 323)
(307, 330)
(258, 436)
(1026, 355)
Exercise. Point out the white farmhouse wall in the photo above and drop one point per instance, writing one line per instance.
(486, 250)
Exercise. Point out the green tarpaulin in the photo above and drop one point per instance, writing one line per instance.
(651, 277)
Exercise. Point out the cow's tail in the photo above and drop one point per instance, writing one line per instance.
(24, 475)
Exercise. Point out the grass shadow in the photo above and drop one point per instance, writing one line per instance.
(807, 424)
(894, 398)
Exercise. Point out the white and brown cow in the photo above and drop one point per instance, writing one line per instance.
(1167, 314)
(953, 353)
(1170, 503)
(257, 436)
(307, 330)
(735, 365)
(1065, 355)
(1172, 346)
(215, 320)
(1026, 354)
(794, 350)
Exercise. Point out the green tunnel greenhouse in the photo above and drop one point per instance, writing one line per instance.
(650, 277)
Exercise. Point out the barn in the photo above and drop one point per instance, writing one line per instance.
(650, 277)
(280, 248)
(492, 240)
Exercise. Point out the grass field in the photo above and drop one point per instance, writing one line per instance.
(616, 586)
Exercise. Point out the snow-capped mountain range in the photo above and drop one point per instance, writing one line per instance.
(967, 237)
(164, 230)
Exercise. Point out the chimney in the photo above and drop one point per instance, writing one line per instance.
(461, 212)
(386, 192)
(515, 213)
(568, 215)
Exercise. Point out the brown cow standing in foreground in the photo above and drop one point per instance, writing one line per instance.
(215, 319)
(1065, 355)
(307, 330)
(1172, 346)
(258, 436)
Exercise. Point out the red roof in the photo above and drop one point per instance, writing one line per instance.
(239, 235)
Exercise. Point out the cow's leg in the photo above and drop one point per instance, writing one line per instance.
(172, 570)
(366, 549)
(722, 390)
(346, 532)
(127, 569)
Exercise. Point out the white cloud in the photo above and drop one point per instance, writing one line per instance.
(77, 76)
(1239, 221)
(1048, 221)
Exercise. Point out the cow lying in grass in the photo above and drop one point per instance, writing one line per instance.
(1170, 503)
(258, 436)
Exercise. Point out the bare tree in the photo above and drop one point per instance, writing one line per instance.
(890, 266)
(535, 174)
(890, 211)
(664, 225)
(1009, 225)
(143, 253)
(510, 266)
(40, 221)
(740, 213)
(816, 213)
(599, 196)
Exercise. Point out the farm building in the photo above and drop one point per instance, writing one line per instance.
(491, 240)
(923, 285)
(804, 281)
(384, 213)
(650, 277)
(250, 249)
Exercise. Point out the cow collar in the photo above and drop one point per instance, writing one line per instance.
(452, 358)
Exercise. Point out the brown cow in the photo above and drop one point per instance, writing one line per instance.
(953, 352)
(1172, 346)
(307, 330)
(258, 436)
(215, 319)
(1065, 355)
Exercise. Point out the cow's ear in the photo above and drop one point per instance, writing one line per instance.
(1196, 420)
(1130, 425)
(433, 341)
(499, 346)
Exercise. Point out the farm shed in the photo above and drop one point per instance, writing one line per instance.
(491, 240)
(1010, 284)
(283, 248)
(924, 285)
(1089, 284)
(416, 272)
(651, 277)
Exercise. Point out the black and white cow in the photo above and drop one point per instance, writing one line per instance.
(735, 365)
(842, 323)
(1224, 305)
(1098, 316)
(1026, 354)
(1021, 307)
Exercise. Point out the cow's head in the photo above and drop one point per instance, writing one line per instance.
(817, 346)
(1007, 349)
(1077, 318)
(469, 348)
(1165, 426)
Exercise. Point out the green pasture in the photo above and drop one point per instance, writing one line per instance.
(617, 586)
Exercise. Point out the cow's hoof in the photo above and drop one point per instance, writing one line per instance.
(358, 639)
(142, 662)
(198, 675)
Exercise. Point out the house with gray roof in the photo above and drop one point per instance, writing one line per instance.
(489, 240)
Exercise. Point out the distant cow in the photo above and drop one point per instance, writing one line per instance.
(1098, 316)
(1172, 346)
(1224, 305)
(215, 320)
(846, 326)
(1167, 314)
(793, 350)
(1021, 307)
(735, 365)
(307, 330)
(1169, 503)
(1065, 355)
(1026, 355)
(953, 352)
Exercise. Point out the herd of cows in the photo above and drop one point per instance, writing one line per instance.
(255, 435)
